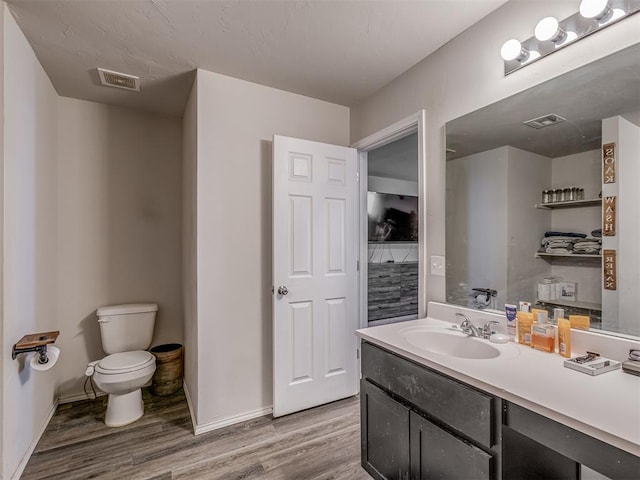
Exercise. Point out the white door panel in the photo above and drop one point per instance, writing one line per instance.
(315, 245)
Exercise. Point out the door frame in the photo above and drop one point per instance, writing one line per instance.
(411, 124)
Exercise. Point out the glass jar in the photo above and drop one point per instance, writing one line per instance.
(566, 194)
(558, 195)
(546, 196)
(580, 194)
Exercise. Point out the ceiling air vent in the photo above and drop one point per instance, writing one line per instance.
(544, 121)
(119, 80)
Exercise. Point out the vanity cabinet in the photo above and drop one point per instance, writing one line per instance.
(419, 424)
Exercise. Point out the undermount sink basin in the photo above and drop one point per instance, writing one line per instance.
(450, 343)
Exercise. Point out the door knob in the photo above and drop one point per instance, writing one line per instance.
(282, 290)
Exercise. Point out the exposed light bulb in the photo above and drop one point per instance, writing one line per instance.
(512, 50)
(597, 9)
(549, 29)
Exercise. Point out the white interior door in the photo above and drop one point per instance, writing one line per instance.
(315, 299)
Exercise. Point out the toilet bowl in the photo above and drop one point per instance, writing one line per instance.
(126, 332)
(122, 375)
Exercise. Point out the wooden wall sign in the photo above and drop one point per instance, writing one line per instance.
(609, 163)
(609, 217)
(609, 269)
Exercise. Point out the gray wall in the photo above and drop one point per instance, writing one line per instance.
(119, 226)
(466, 74)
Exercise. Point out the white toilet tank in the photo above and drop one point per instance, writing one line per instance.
(127, 327)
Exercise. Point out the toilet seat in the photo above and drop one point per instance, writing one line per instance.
(125, 362)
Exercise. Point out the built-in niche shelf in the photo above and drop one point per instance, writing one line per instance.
(575, 256)
(577, 304)
(570, 204)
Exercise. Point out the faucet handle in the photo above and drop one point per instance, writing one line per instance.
(486, 329)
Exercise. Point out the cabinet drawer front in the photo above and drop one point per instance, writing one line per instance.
(577, 446)
(385, 434)
(436, 453)
(460, 407)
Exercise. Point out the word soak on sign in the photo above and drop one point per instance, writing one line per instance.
(609, 217)
(609, 269)
(609, 163)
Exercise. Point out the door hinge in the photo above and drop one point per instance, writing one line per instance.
(358, 354)
(358, 265)
(358, 177)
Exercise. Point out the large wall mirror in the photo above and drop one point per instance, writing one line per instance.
(524, 202)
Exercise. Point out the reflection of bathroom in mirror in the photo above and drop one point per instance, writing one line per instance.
(523, 205)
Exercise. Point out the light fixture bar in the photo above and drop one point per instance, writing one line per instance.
(552, 36)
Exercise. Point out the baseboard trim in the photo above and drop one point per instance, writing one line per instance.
(194, 424)
(25, 459)
(224, 422)
(77, 397)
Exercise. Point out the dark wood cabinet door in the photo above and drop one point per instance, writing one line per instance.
(438, 455)
(385, 434)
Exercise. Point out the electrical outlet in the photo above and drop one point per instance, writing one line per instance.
(437, 265)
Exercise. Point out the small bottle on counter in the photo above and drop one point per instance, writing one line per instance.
(510, 311)
(524, 323)
(543, 335)
(564, 337)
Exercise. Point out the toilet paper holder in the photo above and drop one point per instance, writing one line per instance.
(35, 342)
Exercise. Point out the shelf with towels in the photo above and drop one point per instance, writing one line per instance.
(570, 204)
(566, 255)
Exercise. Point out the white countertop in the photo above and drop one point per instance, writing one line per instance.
(606, 406)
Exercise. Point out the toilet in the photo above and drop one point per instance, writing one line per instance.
(126, 332)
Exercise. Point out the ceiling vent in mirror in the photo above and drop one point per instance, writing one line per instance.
(119, 80)
(544, 121)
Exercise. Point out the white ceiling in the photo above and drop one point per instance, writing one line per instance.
(584, 97)
(340, 51)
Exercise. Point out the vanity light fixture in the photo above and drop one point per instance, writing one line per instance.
(548, 29)
(512, 50)
(551, 34)
(596, 9)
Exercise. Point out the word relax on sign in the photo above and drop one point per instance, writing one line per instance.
(609, 267)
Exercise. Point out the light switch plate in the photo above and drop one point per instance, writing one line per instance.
(437, 265)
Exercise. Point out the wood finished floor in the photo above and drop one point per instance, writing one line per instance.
(318, 444)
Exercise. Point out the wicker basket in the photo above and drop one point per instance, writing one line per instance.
(167, 378)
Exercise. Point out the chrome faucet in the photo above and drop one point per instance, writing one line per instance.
(467, 326)
(470, 329)
(486, 329)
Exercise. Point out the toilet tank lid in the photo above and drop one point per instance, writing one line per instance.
(127, 309)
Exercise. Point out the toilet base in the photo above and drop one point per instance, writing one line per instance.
(123, 409)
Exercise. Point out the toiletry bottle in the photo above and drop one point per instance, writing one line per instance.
(558, 313)
(510, 312)
(581, 322)
(536, 314)
(564, 337)
(543, 335)
(524, 306)
(525, 320)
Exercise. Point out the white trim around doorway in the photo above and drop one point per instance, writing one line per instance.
(406, 126)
